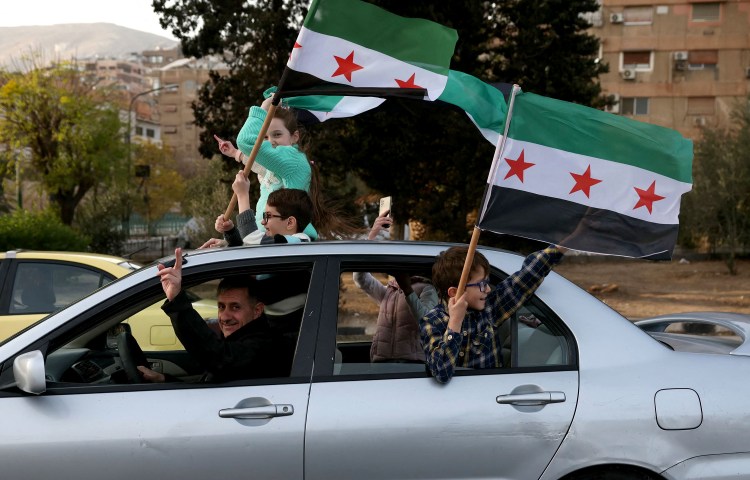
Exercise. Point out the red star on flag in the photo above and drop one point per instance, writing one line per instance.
(296, 45)
(517, 167)
(584, 182)
(647, 197)
(346, 66)
(407, 83)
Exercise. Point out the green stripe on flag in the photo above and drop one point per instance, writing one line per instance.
(374, 28)
(587, 131)
(318, 103)
(484, 103)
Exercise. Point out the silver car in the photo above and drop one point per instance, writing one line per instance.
(585, 393)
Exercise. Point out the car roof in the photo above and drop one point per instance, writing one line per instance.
(117, 266)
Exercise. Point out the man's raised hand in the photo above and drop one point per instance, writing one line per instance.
(171, 277)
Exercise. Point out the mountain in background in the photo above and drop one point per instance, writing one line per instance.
(76, 40)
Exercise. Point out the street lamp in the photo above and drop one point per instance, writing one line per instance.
(129, 140)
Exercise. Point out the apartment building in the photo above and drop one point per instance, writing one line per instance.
(127, 75)
(682, 64)
(178, 127)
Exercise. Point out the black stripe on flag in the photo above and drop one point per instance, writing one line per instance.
(576, 226)
(298, 84)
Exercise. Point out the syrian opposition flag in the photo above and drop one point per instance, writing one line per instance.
(351, 55)
(349, 48)
(484, 104)
(588, 180)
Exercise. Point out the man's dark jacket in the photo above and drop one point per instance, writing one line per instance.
(253, 351)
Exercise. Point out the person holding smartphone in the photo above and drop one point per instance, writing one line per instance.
(402, 301)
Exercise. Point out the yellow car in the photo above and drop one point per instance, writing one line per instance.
(34, 284)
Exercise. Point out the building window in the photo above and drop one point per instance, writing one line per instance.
(703, 59)
(634, 105)
(637, 60)
(638, 15)
(138, 130)
(701, 105)
(189, 85)
(706, 12)
(169, 108)
(150, 133)
(170, 129)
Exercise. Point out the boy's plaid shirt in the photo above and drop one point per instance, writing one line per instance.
(478, 345)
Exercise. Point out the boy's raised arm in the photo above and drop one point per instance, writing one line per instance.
(512, 292)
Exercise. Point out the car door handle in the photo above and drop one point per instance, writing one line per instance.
(263, 411)
(530, 399)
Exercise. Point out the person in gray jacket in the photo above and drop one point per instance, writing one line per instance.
(403, 301)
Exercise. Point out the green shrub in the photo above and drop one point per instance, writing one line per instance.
(38, 231)
(98, 218)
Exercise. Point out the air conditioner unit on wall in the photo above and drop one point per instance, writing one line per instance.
(699, 121)
(616, 18)
(628, 73)
(681, 56)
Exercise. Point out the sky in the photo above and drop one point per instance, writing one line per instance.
(136, 14)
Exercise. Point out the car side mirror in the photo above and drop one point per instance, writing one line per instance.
(28, 371)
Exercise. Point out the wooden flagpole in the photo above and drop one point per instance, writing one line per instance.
(477, 231)
(469, 260)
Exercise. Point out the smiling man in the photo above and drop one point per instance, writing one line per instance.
(247, 348)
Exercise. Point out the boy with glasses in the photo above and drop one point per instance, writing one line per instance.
(464, 332)
(287, 212)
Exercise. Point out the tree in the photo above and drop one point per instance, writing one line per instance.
(718, 208)
(71, 127)
(545, 47)
(7, 163)
(163, 188)
(429, 157)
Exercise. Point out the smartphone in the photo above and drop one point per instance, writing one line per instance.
(385, 208)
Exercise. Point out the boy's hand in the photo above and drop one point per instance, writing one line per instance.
(223, 225)
(241, 185)
(171, 277)
(214, 243)
(456, 312)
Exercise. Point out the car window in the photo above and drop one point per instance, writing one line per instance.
(535, 338)
(102, 353)
(532, 337)
(153, 329)
(364, 345)
(41, 287)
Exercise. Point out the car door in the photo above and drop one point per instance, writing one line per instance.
(35, 288)
(238, 430)
(392, 420)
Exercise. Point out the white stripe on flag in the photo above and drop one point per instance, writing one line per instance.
(379, 70)
(551, 177)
